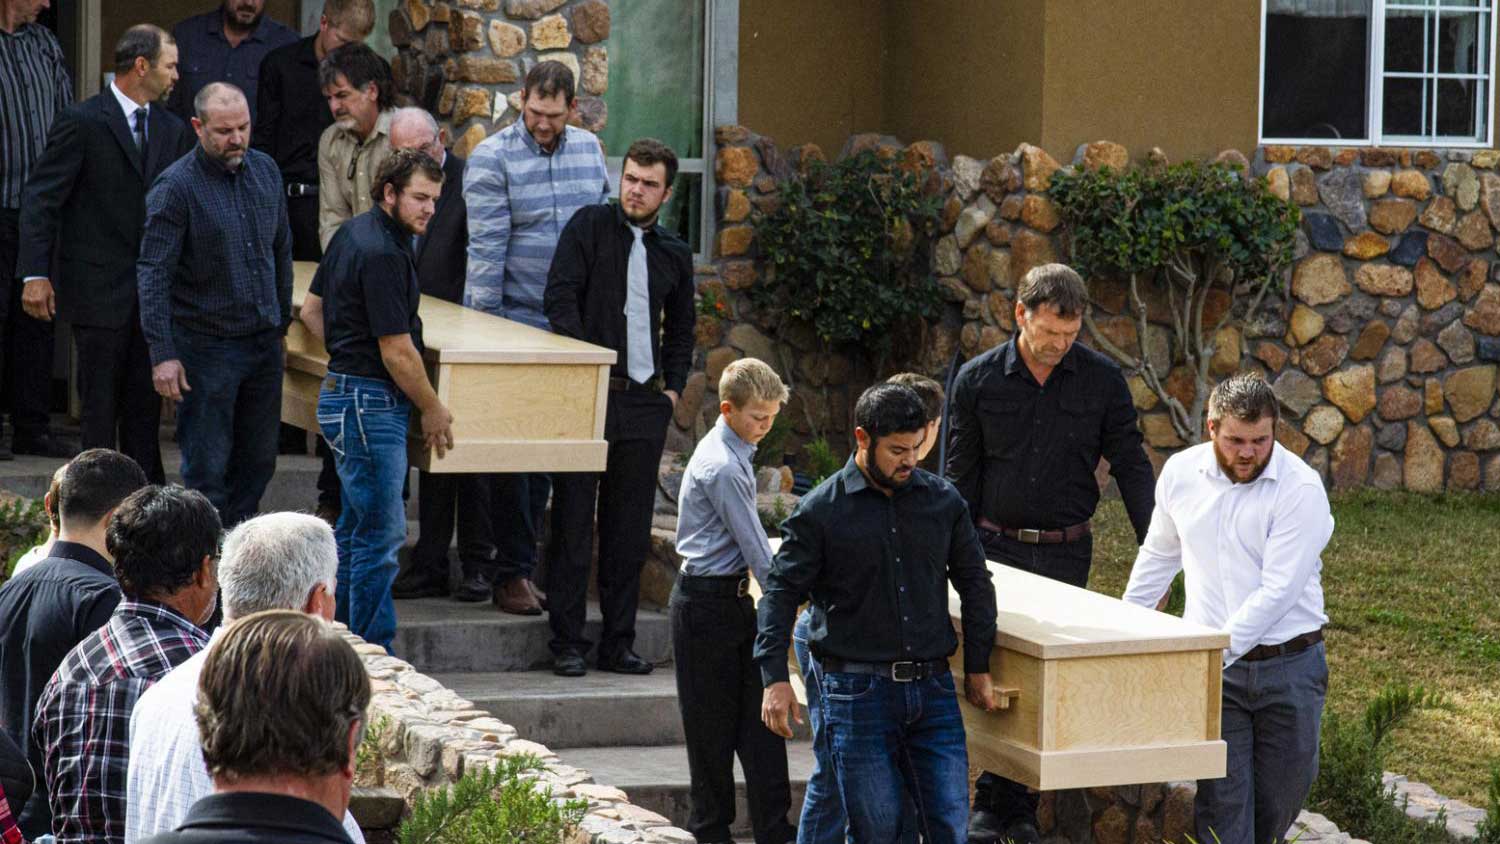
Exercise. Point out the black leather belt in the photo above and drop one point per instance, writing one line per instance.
(725, 585)
(901, 672)
(1038, 536)
(296, 189)
(625, 384)
(1296, 644)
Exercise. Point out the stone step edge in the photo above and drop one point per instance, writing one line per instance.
(432, 736)
(1422, 803)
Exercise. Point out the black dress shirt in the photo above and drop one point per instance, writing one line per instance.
(204, 56)
(1023, 455)
(587, 287)
(369, 288)
(877, 569)
(245, 817)
(44, 612)
(290, 112)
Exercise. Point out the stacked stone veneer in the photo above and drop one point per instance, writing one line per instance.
(1383, 347)
(464, 60)
(432, 736)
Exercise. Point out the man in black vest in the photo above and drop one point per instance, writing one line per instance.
(442, 259)
(89, 190)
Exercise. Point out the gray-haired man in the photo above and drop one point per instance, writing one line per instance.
(276, 561)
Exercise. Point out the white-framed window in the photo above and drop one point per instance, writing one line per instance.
(1383, 72)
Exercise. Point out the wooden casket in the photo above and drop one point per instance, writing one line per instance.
(523, 400)
(1095, 692)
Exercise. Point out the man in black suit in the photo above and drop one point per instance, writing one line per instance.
(89, 190)
(442, 266)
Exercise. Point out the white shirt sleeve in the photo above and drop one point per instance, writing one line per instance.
(1160, 556)
(1300, 529)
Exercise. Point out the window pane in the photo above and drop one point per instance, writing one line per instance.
(661, 97)
(1316, 72)
(1403, 107)
(1408, 42)
(1457, 117)
(683, 213)
(1461, 43)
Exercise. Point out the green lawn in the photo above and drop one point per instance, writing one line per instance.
(1412, 585)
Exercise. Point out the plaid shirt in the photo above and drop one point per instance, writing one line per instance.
(83, 718)
(9, 832)
(216, 255)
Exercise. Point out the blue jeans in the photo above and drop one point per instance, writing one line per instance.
(823, 820)
(228, 420)
(365, 422)
(891, 739)
(1273, 713)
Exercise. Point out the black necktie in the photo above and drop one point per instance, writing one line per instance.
(140, 134)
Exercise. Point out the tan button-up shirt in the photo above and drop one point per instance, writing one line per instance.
(340, 195)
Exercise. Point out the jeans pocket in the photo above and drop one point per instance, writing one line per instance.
(844, 686)
(945, 682)
(332, 425)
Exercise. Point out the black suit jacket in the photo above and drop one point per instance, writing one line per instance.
(87, 194)
(443, 253)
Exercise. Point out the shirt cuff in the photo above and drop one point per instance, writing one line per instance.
(675, 383)
(33, 278)
(773, 671)
(163, 352)
(977, 658)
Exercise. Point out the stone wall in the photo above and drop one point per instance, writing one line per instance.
(432, 736)
(1383, 347)
(464, 60)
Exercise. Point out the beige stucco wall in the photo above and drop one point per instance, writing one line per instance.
(811, 70)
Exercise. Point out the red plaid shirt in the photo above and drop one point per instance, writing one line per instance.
(9, 832)
(83, 717)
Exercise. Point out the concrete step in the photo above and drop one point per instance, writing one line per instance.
(443, 635)
(597, 710)
(656, 778)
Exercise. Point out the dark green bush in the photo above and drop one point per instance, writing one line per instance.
(498, 805)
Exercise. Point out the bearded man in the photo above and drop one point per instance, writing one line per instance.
(1245, 520)
(226, 44)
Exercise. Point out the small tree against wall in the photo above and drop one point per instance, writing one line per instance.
(847, 253)
(1183, 233)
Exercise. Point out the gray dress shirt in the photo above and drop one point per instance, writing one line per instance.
(718, 528)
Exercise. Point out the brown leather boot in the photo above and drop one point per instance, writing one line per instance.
(512, 596)
(539, 595)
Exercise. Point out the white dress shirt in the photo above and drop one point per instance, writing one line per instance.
(167, 774)
(1250, 551)
(129, 106)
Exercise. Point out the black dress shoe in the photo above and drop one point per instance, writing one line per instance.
(569, 665)
(415, 583)
(475, 589)
(45, 446)
(625, 662)
(985, 827)
(1021, 832)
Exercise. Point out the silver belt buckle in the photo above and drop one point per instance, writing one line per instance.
(909, 675)
(1030, 536)
(742, 588)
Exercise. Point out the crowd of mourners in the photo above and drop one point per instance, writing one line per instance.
(169, 670)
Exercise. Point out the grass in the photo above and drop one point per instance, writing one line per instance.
(1412, 585)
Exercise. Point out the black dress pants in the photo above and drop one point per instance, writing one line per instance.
(440, 497)
(1069, 563)
(120, 406)
(635, 425)
(719, 693)
(26, 350)
(302, 215)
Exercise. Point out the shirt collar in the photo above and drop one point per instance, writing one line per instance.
(648, 231)
(216, 27)
(531, 144)
(1212, 468)
(128, 105)
(151, 610)
(393, 228)
(382, 127)
(1014, 363)
(79, 552)
(307, 51)
(215, 167)
(238, 809)
(734, 441)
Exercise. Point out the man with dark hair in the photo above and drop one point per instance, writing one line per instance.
(645, 314)
(441, 256)
(363, 304)
(164, 541)
(281, 709)
(215, 277)
(1264, 589)
(522, 186)
(59, 601)
(357, 84)
(874, 548)
(114, 145)
(34, 89)
(1030, 420)
(225, 45)
(291, 113)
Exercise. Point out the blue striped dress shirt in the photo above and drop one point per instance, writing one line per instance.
(718, 528)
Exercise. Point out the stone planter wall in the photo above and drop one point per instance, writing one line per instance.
(464, 60)
(1383, 348)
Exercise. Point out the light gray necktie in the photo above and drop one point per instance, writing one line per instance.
(640, 365)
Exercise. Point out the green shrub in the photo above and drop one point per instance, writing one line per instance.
(369, 757)
(772, 517)
(1351, 758)
(822, 461)
(848, 250)
(492, 806)
(23, 524)
(1489, 828)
